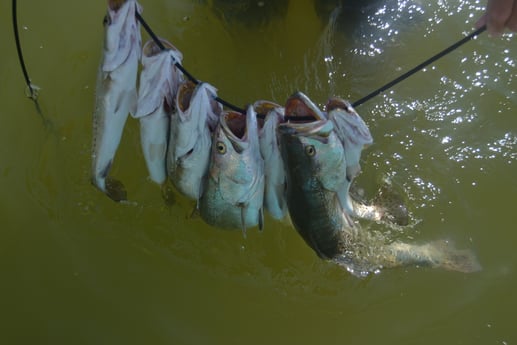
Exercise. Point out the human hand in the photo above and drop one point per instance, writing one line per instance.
(499, 15)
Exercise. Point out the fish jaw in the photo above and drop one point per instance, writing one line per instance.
(301, 106)
(274, 193)
(122, 33)
(159, 78)
(351, 130)
(234, 188)
(153, 134)
(159, 82)
(190, 139)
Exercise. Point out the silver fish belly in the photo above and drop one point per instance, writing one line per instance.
(115, 92)
(234, 188)
(315, 158)
(159, 81)
(274, 192)
(190, 137)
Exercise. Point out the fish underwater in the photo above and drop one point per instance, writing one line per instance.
(159, 81)
(274, 192)
(315, 163)
(234, 188)
(196, 116)
(115, 91)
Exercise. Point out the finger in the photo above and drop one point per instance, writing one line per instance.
(498, 13)
(511, 24)
(481, 21)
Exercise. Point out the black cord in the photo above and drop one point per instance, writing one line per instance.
(354, 104)
(33, 94)
(179, 66)
(419, 67)
(19, 50)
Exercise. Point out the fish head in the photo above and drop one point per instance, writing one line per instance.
(228, 143)
(351, 130)
(235, 157)
(310, 148)
(269, 115)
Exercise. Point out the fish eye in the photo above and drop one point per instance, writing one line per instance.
(310, 150)
(220, 147)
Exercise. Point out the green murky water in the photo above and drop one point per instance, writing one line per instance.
(78, 268)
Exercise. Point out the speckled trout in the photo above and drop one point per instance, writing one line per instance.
(314, 158)
(115, 92)
(159, 81)
(233, 192)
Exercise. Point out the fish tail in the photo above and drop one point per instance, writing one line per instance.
(438, 254)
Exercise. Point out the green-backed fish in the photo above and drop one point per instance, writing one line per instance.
(159, 81)
(196, 115)
(274, 191)
(314, 158)
(115, 91)
(234, 188)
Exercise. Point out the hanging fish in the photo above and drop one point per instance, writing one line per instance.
(234, 188)
(196, 116)
(115, 91)
(274, 192)
(314, 158)
(159, 82)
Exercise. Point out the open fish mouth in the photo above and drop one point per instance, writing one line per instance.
(338, 103)
(115, 5)
(303, 117)
(234, 127)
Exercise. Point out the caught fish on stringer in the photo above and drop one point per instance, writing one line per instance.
(316, 166)
(115, 91)
(296, 161)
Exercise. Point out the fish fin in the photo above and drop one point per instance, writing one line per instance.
(168, 195)
(115, 189)
(344, 200)
(260, 219)
(243, 220)
(452, 259)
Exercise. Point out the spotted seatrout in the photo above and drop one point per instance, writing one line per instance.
(234, 188)
(115, 92)
(314, 158)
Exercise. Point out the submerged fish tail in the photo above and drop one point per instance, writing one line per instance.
(436, 254)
